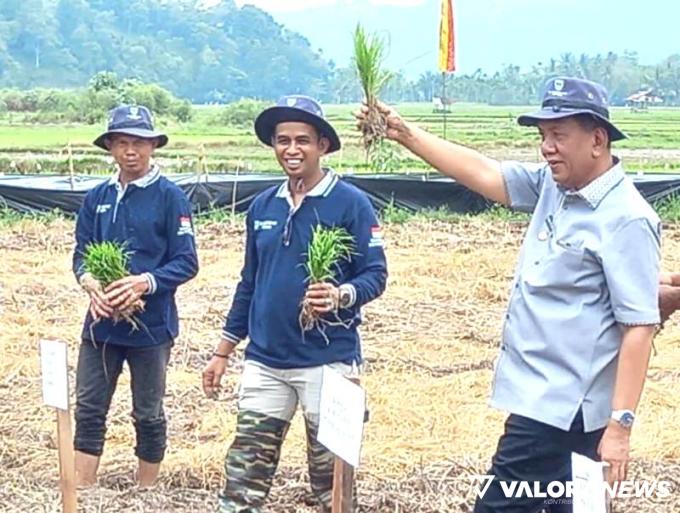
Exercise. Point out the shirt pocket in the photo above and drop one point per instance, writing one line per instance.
(562, 268)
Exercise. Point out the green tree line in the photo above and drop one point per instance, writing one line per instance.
(621, 74)
(90, 105)
(204, 55)
(225, 53)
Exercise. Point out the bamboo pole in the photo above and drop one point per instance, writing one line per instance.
(71, 167)
(234, 195)
(67, 469)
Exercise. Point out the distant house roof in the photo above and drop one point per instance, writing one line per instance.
(644, 96)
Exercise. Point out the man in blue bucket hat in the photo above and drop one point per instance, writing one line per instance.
(583, 304)
(151, 216)
(285, 361)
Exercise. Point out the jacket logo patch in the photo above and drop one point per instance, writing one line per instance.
(101, 209)
(185, 227)
(266, 224)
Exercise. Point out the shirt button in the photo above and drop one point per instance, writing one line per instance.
(537, 262)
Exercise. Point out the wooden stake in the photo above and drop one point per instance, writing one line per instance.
(202, 163)
(71, 169)
(234, 193)
(67, 469)
(444, 100)
(343, 481)
(343, 477)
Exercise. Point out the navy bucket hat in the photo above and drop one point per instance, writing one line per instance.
(569, 96)
(134, 120)
(298, 108)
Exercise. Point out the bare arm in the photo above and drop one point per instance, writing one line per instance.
(630, 378)
(632, 367)
(467, 166)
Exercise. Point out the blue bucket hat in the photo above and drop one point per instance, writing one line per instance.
(134, 120)
(298, 108)
(569, 96)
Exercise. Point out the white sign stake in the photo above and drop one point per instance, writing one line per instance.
(341, 426)
(54, 363)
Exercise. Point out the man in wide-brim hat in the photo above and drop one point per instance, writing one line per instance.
(285, 361)
(151, 216)
(583, 304)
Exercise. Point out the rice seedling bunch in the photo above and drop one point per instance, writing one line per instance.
(327, 249)
(107, 262)
(369, 57)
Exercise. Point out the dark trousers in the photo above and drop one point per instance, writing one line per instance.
(98, 369)
(532, 451)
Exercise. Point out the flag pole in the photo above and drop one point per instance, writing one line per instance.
(447, 55)
(444, 105)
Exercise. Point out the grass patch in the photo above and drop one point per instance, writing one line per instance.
(669, 208)
(486, 128)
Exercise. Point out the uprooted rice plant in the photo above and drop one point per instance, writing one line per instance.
(429, 342)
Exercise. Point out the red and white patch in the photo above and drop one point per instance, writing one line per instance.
(185, 227)
(377, 240)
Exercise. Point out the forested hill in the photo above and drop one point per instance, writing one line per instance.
(217, 54)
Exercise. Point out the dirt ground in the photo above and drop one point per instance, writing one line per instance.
(430, 343)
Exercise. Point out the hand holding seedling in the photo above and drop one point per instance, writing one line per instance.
(108, 263)
(395, 127)
(99, 306)
(323, 297)
(327, 249)
(124, 293)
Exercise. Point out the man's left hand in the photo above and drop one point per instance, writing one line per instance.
(614, 449)
(124, 293)
(324, 297)
(669, 301)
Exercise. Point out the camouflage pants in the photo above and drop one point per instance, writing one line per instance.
(251, 462)
(267, 402)
(253, 458)
(320, 463)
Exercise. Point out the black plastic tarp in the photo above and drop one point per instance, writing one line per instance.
(413, 192)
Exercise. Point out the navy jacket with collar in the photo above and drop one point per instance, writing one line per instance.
(153, 218)
(267, 302)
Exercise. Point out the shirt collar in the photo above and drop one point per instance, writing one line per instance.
(323, 188)
(595, 191)
(152, 176)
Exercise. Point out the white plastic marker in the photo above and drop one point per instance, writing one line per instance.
(54, 364)
(588, 481)
(341, 427)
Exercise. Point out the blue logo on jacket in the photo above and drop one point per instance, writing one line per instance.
(266, 224)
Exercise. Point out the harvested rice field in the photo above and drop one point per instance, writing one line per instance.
(430, 343)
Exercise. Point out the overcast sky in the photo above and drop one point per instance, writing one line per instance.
(295, 5)
(489, 33)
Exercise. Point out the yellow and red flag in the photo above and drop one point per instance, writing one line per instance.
(447, 46)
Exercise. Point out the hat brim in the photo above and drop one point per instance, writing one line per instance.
(135, 132)
(266, 122)
(550, 114)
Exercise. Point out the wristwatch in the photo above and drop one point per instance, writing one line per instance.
(345, 296)
(625, 418)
